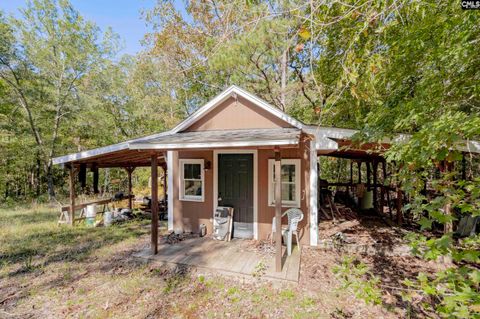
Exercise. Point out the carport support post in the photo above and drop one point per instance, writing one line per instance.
(154, 204)
(71, 211)
(375, 189)
(278, 210)
(129, 172)
(359, 163)
(94, 169)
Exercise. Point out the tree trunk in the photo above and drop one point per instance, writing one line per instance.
(38, 168)
(283, 65)
(106, 181)
(50, 184)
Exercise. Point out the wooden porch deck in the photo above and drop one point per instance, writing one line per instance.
(229, 258)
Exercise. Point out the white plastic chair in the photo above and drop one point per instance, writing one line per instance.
(295, 216)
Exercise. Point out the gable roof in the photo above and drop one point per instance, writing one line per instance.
(235, 91)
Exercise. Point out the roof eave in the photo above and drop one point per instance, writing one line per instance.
(210, 145)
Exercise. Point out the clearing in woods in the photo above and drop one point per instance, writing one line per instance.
(51, 271)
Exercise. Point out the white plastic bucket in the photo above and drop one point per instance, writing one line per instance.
(107, 218)
(91, 211)
(90, 214)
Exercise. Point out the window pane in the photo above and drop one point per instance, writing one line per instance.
(288, 192)
(288, 173)
(193, 188)
(192, 171)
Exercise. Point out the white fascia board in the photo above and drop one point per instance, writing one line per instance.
(324, 136)
(324, 143)
(102, 150)
(201, 112)
(468, 146)
(86, 154)
(172, 146)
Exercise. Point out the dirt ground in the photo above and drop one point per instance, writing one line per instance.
(54, 272)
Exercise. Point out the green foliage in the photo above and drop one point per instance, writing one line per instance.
(63, 90)
(457, 287)
(385, 67)
(356, 277)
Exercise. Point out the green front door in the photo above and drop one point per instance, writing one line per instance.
(235, 189)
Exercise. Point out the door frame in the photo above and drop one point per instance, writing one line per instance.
(255, 182)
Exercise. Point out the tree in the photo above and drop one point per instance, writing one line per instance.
(54, 49)
(252, 44)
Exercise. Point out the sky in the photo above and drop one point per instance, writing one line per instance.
(124, 16)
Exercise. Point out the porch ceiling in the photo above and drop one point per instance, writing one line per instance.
(123, 158)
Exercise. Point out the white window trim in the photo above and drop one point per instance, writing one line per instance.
(181, 192)
(271, 197)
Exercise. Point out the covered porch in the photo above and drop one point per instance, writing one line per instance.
(162, 150)
(237, 258)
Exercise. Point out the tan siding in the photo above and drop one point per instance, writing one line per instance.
(190, 215)
(240, 114)
(266, 213)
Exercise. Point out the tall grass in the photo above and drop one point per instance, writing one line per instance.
(29, 234)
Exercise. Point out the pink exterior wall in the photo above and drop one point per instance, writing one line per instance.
(266, 213)
(189, 215)
(240, 114)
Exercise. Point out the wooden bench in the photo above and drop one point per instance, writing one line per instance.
(64, 216)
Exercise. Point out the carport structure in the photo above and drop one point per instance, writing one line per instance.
(158, 150)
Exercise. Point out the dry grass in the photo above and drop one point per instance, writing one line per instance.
(51, 272)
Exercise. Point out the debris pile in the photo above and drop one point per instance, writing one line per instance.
(365, 234)
(331, 210)
(173, 238)
(262, 247)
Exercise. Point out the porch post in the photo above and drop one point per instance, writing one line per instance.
(170, 189)
(314, 173)
(278, 210)
(72, 195)
(154, 204)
